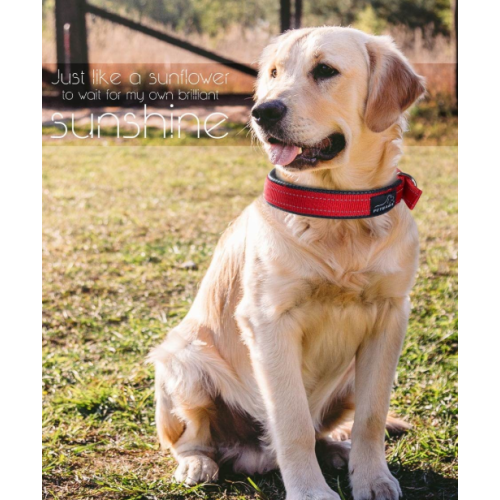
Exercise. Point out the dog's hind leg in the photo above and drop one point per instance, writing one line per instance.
(334, 449)
(194, 450)
(333, 453)
(183, 408)
(333, 443)
(169, 427)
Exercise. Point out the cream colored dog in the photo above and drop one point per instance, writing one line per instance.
(299, 321)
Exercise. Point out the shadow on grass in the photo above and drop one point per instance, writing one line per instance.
(419, 484)
(416, 484)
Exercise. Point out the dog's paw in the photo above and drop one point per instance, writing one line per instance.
(313, 495)
(334, 453)
(195, 469)
(380, 486)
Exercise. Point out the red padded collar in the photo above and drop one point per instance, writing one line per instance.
(330, 204)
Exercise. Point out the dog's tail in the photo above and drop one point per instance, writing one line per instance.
(395, 426)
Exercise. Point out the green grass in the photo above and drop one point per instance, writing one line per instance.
(119, 222)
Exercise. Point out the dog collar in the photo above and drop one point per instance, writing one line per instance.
(329, 204)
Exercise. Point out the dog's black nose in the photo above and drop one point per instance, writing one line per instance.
(269, 113)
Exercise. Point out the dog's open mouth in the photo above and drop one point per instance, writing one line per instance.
(300, 156)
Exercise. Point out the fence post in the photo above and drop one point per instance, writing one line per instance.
(285, 15)
(71, 37)
(456, 49)
(298, 14)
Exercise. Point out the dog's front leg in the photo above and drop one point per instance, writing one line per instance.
(376, 362)
(275, 351)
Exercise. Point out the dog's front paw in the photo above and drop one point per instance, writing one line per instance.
(379, 485)
(322, 494)
(195, 469)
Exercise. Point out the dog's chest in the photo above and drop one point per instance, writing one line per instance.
(339, 289)
(336, 319)
(344, 263)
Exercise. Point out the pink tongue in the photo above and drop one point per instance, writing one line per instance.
(281, 154)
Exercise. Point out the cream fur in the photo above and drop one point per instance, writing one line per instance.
(298, 320)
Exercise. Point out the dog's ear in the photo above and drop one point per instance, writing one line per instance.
(393, 86)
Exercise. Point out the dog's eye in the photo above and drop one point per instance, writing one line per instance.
(274, 73)
(323, 71)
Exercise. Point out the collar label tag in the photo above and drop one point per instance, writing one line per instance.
(382, 203)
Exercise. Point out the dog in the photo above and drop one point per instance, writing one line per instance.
(290, 348)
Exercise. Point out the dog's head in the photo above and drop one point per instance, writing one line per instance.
(321, 89)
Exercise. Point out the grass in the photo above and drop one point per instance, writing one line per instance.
(119, 222)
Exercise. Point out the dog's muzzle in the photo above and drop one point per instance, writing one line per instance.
(269, 114)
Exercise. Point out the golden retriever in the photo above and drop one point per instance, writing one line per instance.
(298, 324)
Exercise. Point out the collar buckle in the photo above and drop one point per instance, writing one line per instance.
(409, 177)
